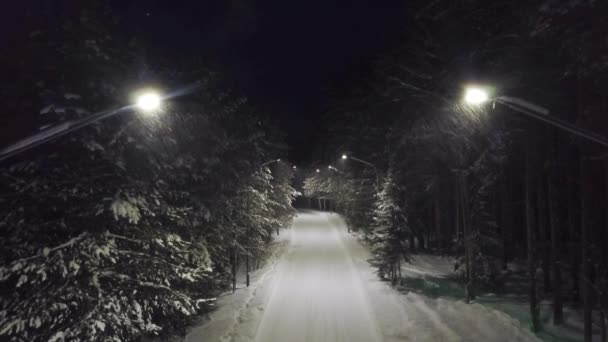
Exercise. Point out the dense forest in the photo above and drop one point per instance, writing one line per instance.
(131, 226)
(482, 183)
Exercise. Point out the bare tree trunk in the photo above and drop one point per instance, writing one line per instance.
(457, 208)
(542, 230)
(586, 231)
(505, 220)
(467, 241)
(530, 229)
(234, 268)
(247, 263)
(604, 264)
(573, 233)
(556, 275)
(586, 199)
(437, 214)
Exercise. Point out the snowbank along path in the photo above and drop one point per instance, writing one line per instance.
(323, 289)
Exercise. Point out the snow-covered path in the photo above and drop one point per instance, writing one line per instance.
(318, 294)
(323, 289)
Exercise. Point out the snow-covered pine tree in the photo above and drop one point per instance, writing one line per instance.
(390, 230)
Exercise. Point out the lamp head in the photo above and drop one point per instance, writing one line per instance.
(148, 101)
(476, 95)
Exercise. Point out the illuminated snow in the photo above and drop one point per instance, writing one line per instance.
(322, 288)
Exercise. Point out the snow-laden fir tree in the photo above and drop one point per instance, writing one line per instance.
(390, 230)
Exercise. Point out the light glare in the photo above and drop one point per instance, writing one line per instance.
(148, 102)
(344, 156)
(476, 96)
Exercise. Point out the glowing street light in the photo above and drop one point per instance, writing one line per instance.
(145, 100)
(294, 167)
(344, 156)
(318, 170)
(478, 95)
(334, 169)
(148, 101)
(270, 162)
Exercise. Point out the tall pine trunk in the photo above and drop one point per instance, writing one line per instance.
(556, 276)
(586, 231)
(572, 210)
(586, 198)
(437, 215)
(530, 234)
(467, 239)
(505, 221)
(542, 231)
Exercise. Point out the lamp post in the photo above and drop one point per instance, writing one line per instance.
(148, 102)
(344, 157)
(476, 96)
(335, 169)
(270, 162)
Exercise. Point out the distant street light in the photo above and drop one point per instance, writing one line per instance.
(270, 162)
(294, 167)
(318, 170)
(335, 169)
(477, 96)
(344, 156)
(148, 101)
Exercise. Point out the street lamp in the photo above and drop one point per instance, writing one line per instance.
(270, 162)
(318, 170)
(146, 101)
(477, 96)
(335, 169)
(344, 156)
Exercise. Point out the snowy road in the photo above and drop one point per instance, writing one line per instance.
(322, 289)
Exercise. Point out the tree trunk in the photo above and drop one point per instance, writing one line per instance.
(530, 234)
(586, 200)
(573, 233)
(457, 208)
(437, 214)
(247, 265)
(234, 269)
(586, 231)
(604, 263)
(505, 220)
(467, 240)
(556, 276)
(542, 230)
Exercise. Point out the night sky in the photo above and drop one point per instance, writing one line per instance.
(286, 57)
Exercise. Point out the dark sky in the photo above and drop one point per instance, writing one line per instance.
(286, 56)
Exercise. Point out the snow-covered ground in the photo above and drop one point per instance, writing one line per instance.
(320, 287)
